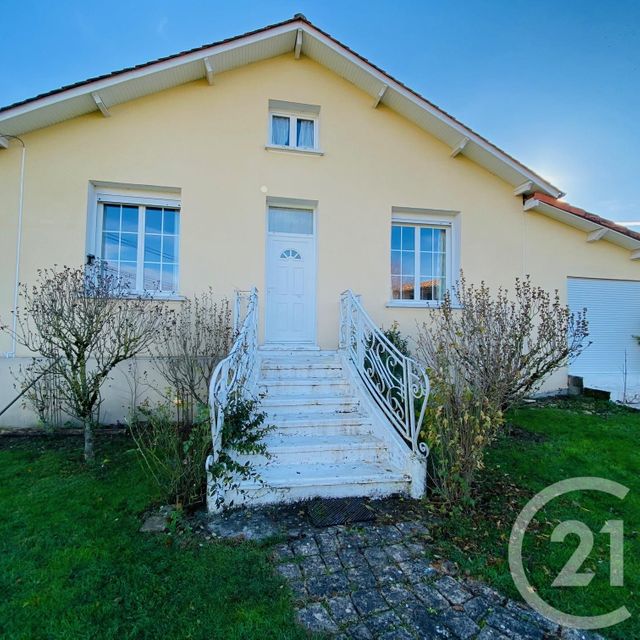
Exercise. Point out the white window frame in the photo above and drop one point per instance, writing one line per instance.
(427, 218)
(94, 235)
(293, 117)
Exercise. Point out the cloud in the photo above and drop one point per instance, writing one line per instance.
(161, 26)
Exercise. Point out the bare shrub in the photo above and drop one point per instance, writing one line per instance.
(193, 340)
(504, 347)
(482, 358)
(174, 437)
(40, 386)
(83, 322)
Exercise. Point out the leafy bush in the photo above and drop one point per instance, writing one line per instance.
(458, 426)
(243, 435)
(174, 453)
(397, 339)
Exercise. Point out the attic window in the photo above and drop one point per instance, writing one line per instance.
(293, 125)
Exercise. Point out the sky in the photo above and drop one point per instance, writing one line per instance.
(554, 83)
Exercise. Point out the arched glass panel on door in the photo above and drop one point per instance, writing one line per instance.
(290, 254)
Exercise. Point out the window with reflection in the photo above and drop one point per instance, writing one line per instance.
(140, 244)
(418, 262)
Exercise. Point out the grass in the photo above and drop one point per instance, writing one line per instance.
(73, 564)
(558, 440)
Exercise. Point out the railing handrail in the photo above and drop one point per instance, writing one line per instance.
(379, 333)
(378, 377)
(237, 369)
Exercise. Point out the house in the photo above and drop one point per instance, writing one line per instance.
(282, 160)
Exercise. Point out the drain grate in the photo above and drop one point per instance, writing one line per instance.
(326, 512)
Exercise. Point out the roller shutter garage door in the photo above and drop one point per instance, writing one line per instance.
(613, 312)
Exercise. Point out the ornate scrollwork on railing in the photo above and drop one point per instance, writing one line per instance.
(397, 383)
(237, 371)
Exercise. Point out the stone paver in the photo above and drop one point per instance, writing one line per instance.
(376, 581)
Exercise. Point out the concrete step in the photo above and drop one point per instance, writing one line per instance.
(284, 405)
(322, 423)
(283, 359)
(292, 482)
(295, 371)
(295, 449)
(308, 387)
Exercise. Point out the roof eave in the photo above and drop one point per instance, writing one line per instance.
(476, 148)
(590, 227)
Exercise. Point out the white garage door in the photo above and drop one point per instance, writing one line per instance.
(613, 312)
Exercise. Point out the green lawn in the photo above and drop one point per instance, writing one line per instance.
(561, 440)
(73, 564)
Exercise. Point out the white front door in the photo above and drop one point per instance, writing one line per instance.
(291, 266)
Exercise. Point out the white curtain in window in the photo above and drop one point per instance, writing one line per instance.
(299, 221)
(280, 130)
(305, 133)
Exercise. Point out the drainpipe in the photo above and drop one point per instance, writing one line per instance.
(16, 287)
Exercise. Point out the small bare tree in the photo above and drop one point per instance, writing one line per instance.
(193, 340)
(83, 322)
(503, 346)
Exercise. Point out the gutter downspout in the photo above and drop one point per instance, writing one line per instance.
(16, 287)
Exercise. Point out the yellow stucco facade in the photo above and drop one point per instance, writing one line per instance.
(208, 143)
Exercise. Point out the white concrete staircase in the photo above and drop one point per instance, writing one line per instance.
(328, 438)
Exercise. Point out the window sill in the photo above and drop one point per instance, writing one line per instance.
(418, 304)
(305, 152)
(149, 295)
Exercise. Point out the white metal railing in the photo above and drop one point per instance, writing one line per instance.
(398, 384)
(237, 371)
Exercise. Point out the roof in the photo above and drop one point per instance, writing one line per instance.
(596, 227)
(296, 34)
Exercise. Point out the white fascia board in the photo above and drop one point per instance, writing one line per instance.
(98, 85)
(448, 120)
(570, 219)
(635, 255)
(4, 142)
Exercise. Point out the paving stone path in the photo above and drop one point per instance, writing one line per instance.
(376, 580)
